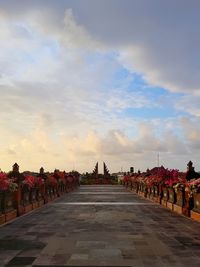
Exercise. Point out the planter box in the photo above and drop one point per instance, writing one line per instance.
(47, 196)
(35, 205)
(28, 208)
(151, 192)
(33, 195)
(7, 202)
(17, 197)
(178, 209)
(172, 195)
(39, 194)
(137, 187)
(180, 197)
(20, 210)
(165, 194)
(170, 205)
(184, 203)
(188, 205)
(156, 190)
(1, 203)
(140, 187)
(195, 215)
(142, 194)
(41, 202)
(156, 199)
(10, 215)
(25, 197)
(196, 197)
(51, 192)
(47, 199)
(2, 218)
(164, 202)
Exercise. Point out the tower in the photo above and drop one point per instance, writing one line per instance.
(95, 172)
(105, 171)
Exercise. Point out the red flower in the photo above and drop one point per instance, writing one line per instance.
(29, 181)
(39, 181)
(4, 182)
(52, 180)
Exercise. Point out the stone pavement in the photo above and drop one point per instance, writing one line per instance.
(101, 226)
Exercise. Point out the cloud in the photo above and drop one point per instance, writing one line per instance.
(158, 40)
(69, 81)
(191, 131)
(190, 104)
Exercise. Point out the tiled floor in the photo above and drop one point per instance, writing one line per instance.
(101, 226)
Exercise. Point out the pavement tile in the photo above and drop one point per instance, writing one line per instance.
(79, 257)
(138, 235)
(107, 253)
(21, 261)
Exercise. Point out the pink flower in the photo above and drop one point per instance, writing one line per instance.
(29, 180)
(4, 182)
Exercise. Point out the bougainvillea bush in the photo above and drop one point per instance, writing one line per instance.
(39, 181)
(7, 184)
(156, 176)
(52, 180)
(29, 181)
(194, 185)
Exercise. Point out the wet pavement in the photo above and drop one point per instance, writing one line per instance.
(101, 226)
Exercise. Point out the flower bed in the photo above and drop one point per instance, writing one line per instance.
(20, 193)
(169, 188)
(7, 208)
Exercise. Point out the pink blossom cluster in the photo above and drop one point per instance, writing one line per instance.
(52, 180)
(7, 184)
(193, 183)
(29, 181)
(4, 182)
(39, 181)
(156, 176)
(61, 176)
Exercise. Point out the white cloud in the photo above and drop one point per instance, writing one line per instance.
(61, 104)
(191, 131)
(190, 104)
(159, 40)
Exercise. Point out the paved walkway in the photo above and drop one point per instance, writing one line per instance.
(101, 226)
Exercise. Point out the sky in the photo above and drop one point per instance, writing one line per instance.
(83, 81)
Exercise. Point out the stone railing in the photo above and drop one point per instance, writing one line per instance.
(180, 199)
(25, 198)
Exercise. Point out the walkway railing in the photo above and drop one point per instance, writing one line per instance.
(178, 199)
(21, 193)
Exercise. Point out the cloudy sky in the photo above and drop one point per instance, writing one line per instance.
(83, 81)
